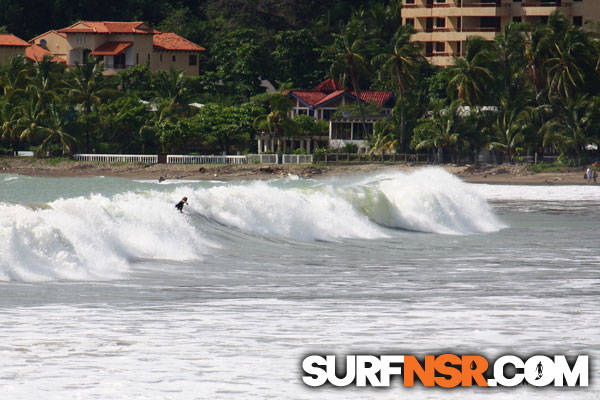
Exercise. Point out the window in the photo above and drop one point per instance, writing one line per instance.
(43, 43)
(517, 19)
(327, 114)
(359, 132)
(148, 57)
(119, 61)
(173, 59)
(578, 21)
(137, 58)
(440, 47)
(440, 22)
(193, 60)
(341, 130)
(409, 22)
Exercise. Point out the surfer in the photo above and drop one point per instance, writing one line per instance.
(180, 205)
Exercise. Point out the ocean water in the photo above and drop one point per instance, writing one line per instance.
(106, 291)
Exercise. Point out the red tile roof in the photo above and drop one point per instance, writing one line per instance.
(169, 41)
(322, 94)
(378, 98)
(329, 85)
(108, 27)
(330, 96)
(37, 53)
(7, 39)
(310, 97)
(111, 48)
(46, 33)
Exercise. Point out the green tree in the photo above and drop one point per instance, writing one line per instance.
(349, 64)
(86, 87)
(575, 123)
(508, 130)
(398, 66)
(440, 131)
(469, 74)
(54, 130)
(297, 58)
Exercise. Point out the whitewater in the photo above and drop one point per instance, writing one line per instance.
(106, 291)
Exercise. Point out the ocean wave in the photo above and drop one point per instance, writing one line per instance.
(98, 237)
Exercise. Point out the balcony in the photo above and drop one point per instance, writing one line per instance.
(541, 4)
(117, 66)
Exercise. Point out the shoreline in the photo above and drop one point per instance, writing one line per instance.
(499, 174)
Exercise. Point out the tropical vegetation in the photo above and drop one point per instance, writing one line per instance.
(534, 89)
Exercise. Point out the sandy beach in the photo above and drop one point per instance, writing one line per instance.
(502, 174)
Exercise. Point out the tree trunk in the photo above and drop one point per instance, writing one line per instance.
(401, 99)
(360, 105)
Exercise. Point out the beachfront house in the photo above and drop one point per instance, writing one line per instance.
(121, 45)
(11, 46)
(323, 101)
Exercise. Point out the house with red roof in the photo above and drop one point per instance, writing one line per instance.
(11, 46)
(325, 99)
(121, 45)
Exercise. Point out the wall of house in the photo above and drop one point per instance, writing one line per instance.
(8, 52)
(139, 53)
(180, 60)
(55, 44)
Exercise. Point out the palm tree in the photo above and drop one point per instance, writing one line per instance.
(55, 131)
(574, 124)
(440, 131)
(44, 80)
(86, 87)
(9, 127)
(171, 88)
(565, 68)
(508, 130)
(13, 77)
(537, 51)
(31, 116)
(510, 49)
(384, 138)
(276, 123)
(398, 65)
(349, 64)
(469, 74)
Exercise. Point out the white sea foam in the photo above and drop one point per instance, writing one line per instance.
(97, 237)
(428, 200)
(538, 193)
(263, 208)
(92, 238)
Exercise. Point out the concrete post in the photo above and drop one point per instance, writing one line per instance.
(260, 146)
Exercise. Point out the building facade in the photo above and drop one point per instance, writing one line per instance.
(443, 26)
(121, 45)
(11, 46)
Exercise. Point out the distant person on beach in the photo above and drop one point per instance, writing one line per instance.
(180, 205)
(588, 174)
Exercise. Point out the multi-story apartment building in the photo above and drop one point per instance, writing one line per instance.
(443, 26)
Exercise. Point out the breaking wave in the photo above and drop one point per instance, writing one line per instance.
(98, 237)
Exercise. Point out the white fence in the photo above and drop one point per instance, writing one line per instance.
(297, 159)
(124, 158)
(200, 159)
(206, 159)
(263, 158)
